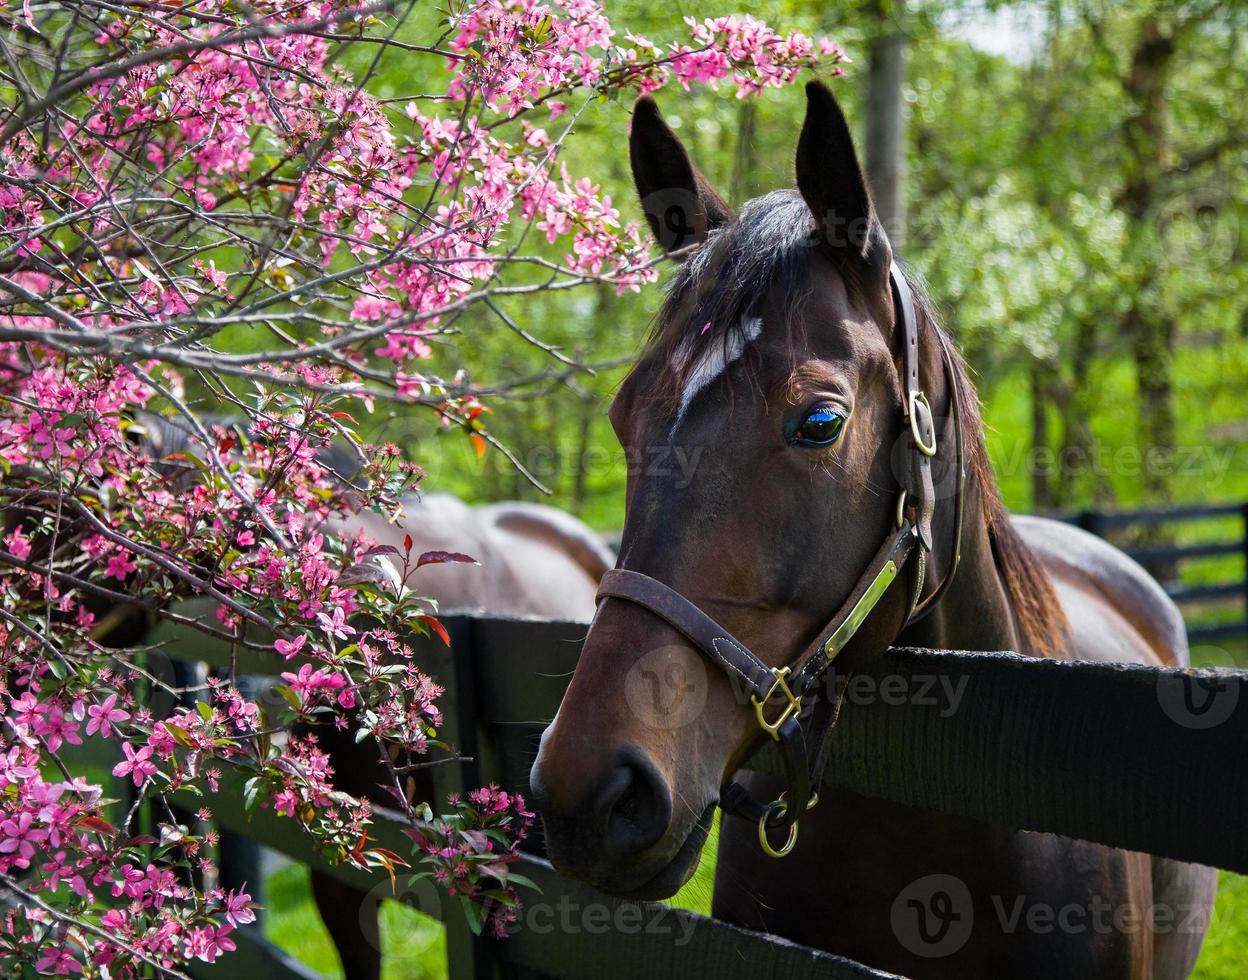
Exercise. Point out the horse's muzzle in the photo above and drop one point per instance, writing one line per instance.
(618, 825)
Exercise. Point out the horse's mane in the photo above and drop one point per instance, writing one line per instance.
(766, 251)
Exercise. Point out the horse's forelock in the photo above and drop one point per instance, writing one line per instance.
(715, 300)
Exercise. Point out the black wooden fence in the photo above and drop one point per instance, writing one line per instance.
(1138, 757)
(1148, 535)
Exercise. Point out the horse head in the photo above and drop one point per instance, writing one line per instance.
(763, 421)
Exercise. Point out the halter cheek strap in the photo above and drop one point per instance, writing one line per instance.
(777, 693)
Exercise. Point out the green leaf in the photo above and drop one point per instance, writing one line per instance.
(180, 734)
(291, 697)
(515, 879)
(473, 913)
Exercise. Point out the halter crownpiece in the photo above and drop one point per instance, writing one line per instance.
(805, 751)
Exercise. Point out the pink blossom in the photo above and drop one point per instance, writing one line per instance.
(137, 763)
(57, 961)
(20, 834)
(289, 648)
(119, 565)
(104, 716)
(335, 624)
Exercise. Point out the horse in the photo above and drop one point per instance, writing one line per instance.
(533, 561)
(836, 430)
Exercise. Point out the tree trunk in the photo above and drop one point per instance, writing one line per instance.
(1148, 328)
(886, 118)
(745, 156)
(1077, 456)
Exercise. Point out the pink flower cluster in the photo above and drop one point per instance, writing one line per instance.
(471, 854)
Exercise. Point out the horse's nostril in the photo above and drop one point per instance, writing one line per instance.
(634, 806)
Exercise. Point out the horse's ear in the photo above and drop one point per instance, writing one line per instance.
(680, 205)
(831, 181)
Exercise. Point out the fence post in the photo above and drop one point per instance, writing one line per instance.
(1090, 521)
(468, 957)
(1245, 517)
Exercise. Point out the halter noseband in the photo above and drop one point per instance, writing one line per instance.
(805, 752)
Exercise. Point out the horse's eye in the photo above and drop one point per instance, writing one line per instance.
(822, 427)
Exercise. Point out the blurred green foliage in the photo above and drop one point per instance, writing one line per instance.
(1017, 221)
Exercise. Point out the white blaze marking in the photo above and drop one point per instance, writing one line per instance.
(713, 359)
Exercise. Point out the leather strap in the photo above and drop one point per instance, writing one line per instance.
(915, 408)
(733, 657)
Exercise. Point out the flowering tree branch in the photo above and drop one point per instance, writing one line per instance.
(203, 208)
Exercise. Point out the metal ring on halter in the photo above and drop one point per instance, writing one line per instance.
(918, 398)
(779, 806)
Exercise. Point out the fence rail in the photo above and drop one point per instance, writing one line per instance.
(1144, 758)
(1165, 560)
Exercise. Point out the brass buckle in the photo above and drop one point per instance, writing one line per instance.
(915, 397)
(792, 707)
(765, 843)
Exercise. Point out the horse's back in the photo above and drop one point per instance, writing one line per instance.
(1117, 611)
(532, 560)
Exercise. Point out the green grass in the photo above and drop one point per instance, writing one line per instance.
(413, 945)
(1222, 957)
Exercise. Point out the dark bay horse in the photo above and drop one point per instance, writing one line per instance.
(829, 414)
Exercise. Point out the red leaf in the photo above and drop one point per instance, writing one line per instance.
(226, 444)
(343, 415)
(97, 824)
(478, 443)
(380, 549)
(442, 557)
(437, 628)
(389, 856)
(407, 542)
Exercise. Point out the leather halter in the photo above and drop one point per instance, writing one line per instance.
(805, 751)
